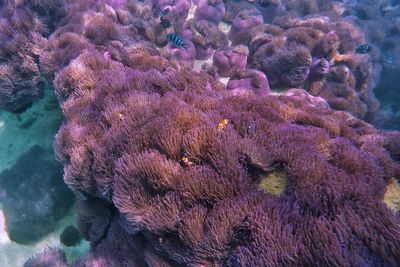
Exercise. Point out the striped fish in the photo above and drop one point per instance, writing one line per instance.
(176, 40)
(264, 3)
(388, 58)
(363, 49)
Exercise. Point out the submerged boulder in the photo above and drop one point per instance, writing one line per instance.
(34, 196)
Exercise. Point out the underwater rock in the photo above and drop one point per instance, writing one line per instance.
(94, 218)
(70, 236)
(35, 196)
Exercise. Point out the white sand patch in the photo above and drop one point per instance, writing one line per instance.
(191, 11)
(277, 93)
(224, 80)
(225, 28)
(3, 234)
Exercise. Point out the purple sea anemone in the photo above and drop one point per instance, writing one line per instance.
(188, 174)
(229, 60)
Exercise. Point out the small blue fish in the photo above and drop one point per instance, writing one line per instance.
(264, 3)
(363, 49)
(388, 58)
(164, 12)
(176, 40)
(360, 12)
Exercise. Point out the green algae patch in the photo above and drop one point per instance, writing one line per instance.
(392, 195)
(273, 182)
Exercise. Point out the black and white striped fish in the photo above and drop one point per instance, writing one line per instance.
(264, 3)
(176, 40)
(388, 58)
(363, 49)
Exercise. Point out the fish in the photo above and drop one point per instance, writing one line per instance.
(264, 3)
(222, 124)
(363, 49)
(388, 58)
(176, 40)
(164, 12)
(165, 23)
(360, 12)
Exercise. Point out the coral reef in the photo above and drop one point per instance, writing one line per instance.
(22, 40)
(318, 55)
(206, 36)
(250, 79)
(195, 192)
(70, 236)
(34, 196)
(171, 167)
(243, 24)
(229, 60)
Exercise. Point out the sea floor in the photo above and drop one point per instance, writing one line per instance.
(13, 254)
(36, 126)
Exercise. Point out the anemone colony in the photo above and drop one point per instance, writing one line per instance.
(172, 167)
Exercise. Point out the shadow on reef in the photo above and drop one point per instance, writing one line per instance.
(34, 196)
